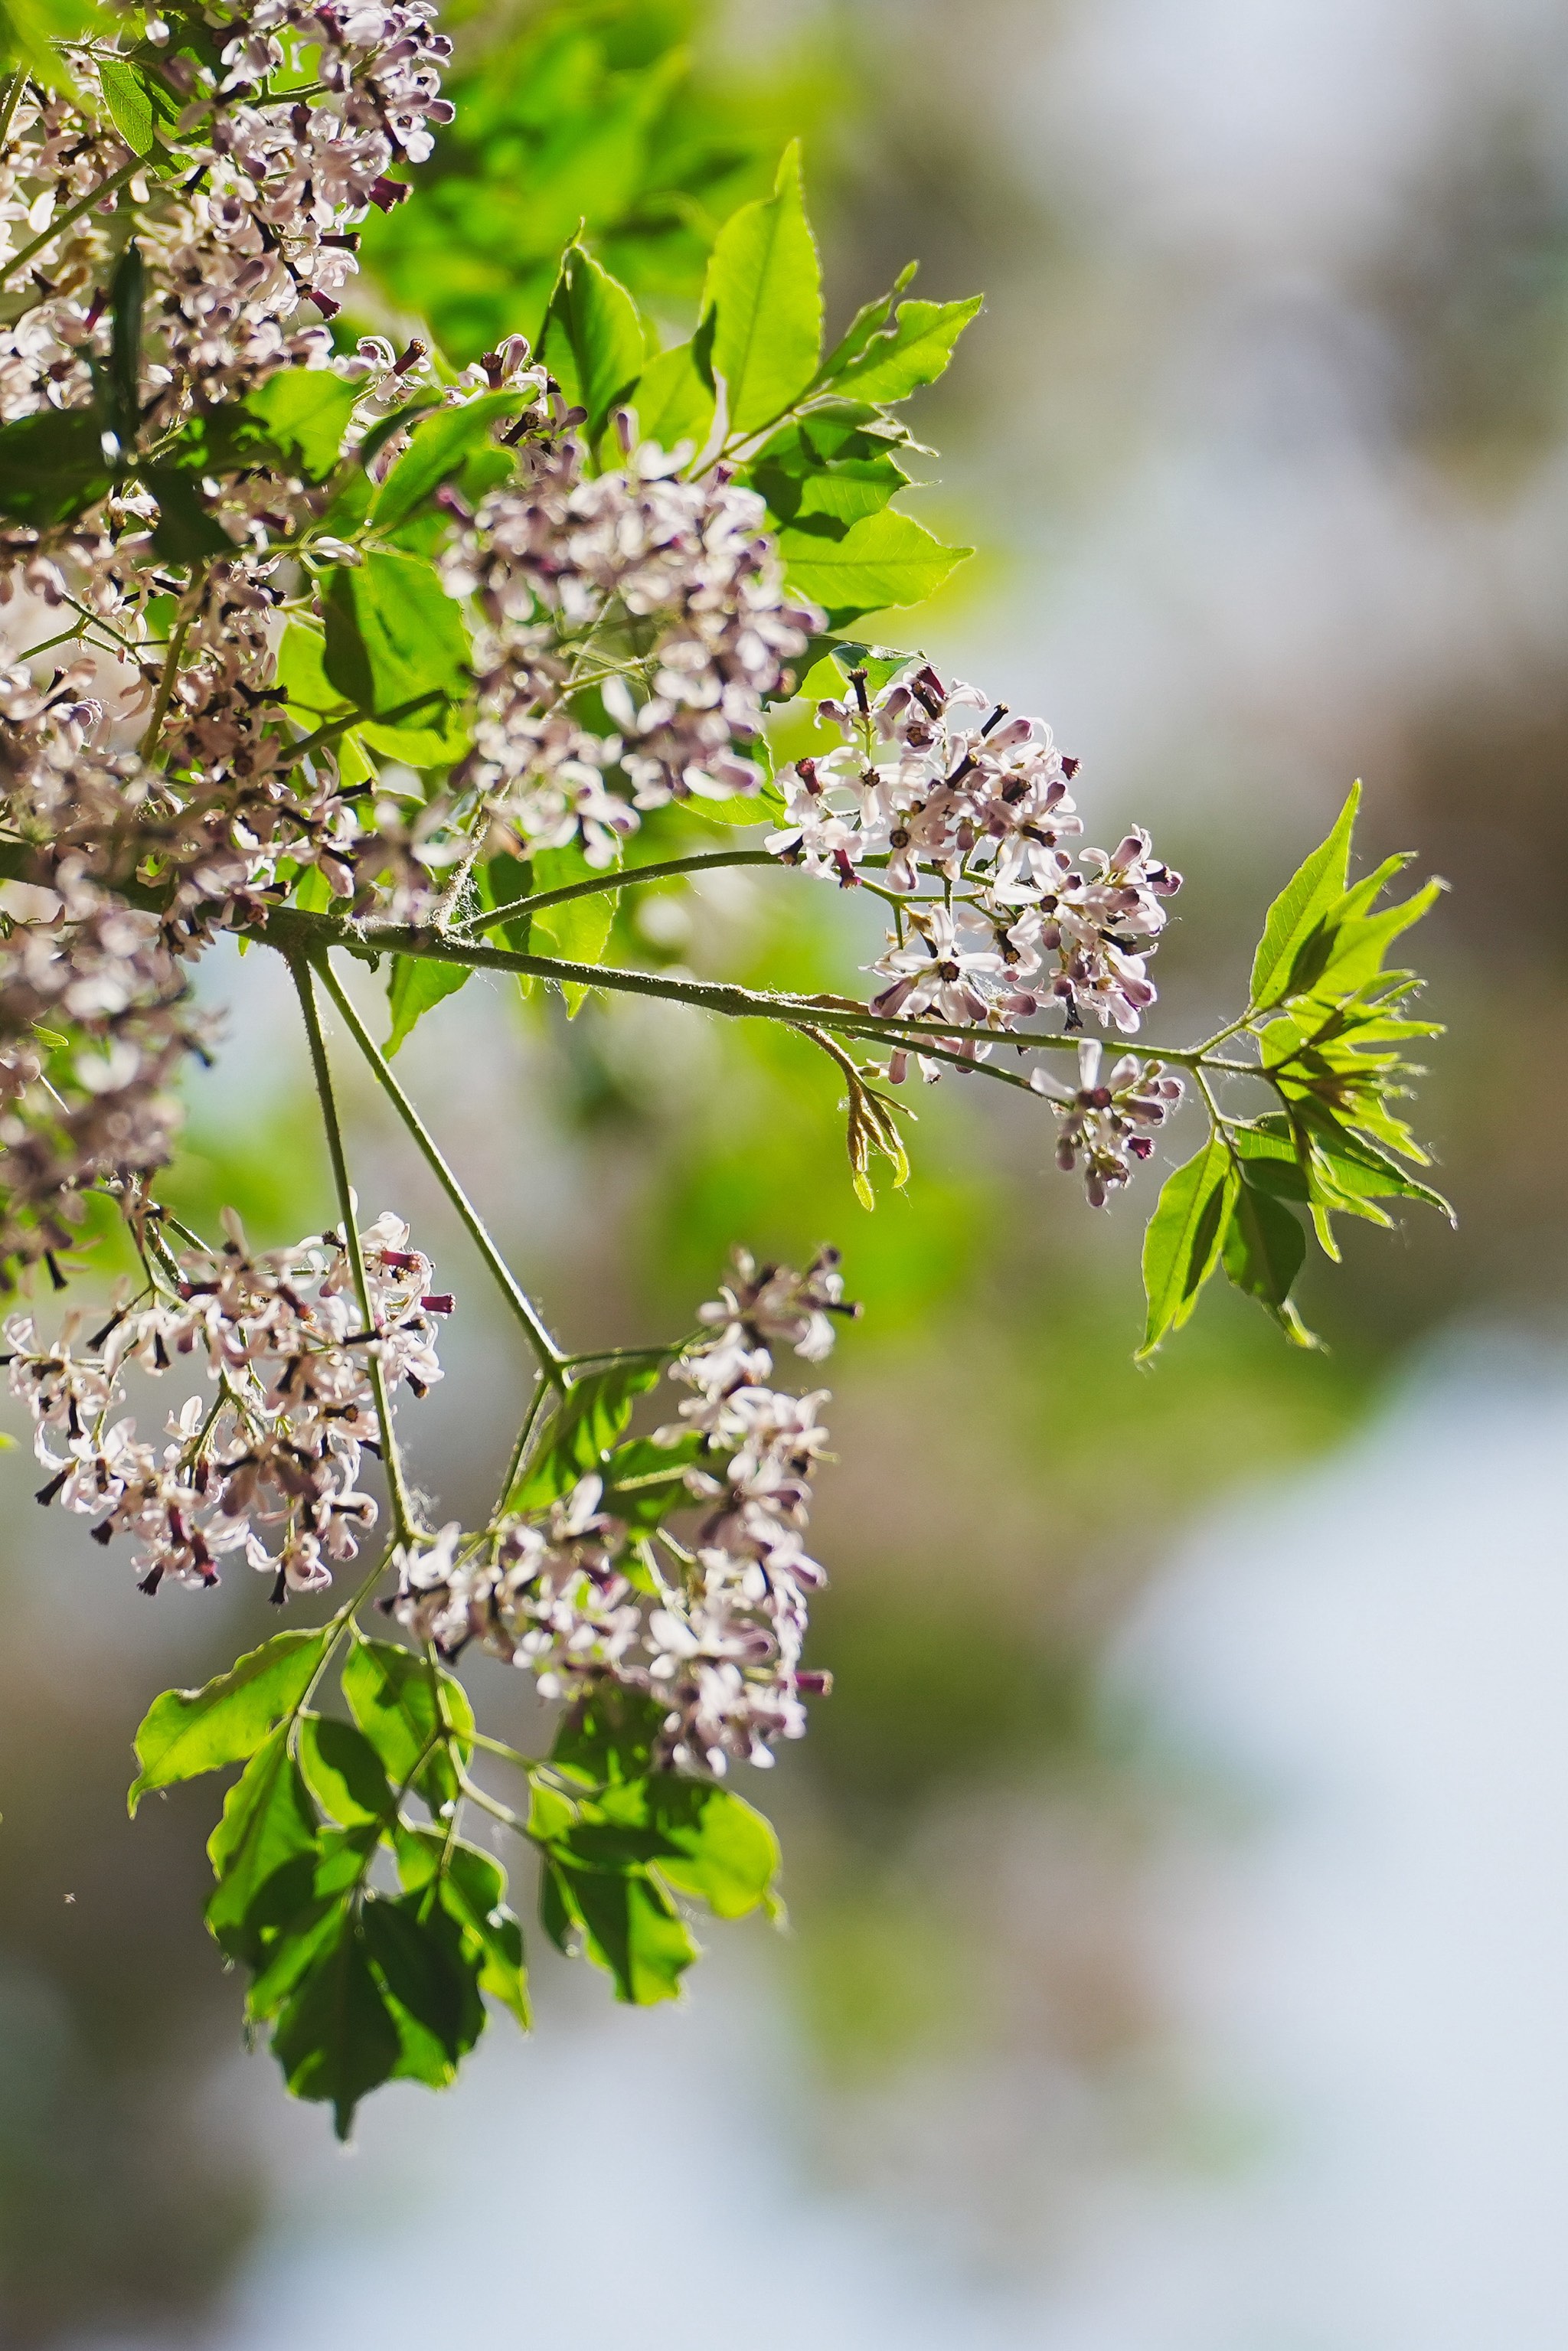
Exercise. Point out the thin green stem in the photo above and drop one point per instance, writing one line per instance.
(620, 879)
(499, 1747)
(629, 1354)
(551, 1360)
(292, 932)
(109, 187)
(348, 1210)
(491, 1804)
(171, 663)
(514, 1465)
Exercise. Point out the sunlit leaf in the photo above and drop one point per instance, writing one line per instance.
(1182, 1243)
(914, 351)
(185, 1732)
(1295, 914)
(765, 287)
(885, 559)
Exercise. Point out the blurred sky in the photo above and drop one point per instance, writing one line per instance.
(1258, 1930)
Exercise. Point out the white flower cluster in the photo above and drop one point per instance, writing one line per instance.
(587, 580)
(936, 779)
(714, 1633)
(262, 223)
(1105, 1124)
(276, 1452)
(94, 1012)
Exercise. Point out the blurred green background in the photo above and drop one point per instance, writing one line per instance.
(1263, 435)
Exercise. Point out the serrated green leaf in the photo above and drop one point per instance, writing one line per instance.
(417, 984)
(703, 1839)
(824, 472)
(765, 289)
(186, 1732)
(303, 414)
(609, 1737)
(887, 558)
(914, 351)
(593, 342)
(1296, 913)
(293, 423)
(868, 322)
(1182, 1243)
(1359, 944)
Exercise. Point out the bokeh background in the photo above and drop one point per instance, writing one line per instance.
(1177, 1957)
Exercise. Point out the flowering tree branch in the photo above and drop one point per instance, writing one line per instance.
(378, 655)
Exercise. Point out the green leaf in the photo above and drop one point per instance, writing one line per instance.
(186, 1732)
(29, 31)
(577, 1440)
(127, 293)
(302, 413)
(302, 1933)
(706, 1841)
(578, 930)
(417, 984)
(302, 674)
(913, 351)
(1359, 941)
(868, 322)
(440, 448)
(391, 1695)
(337, 2039)
(52, 467)
(1296, 913)
(423, 1969)
(825, 471)
(294, 423)
(675, 398)
(344, 1771)
(134, 108)
(185, 533)
(268, 1820)
(474, 1891)
(629, 1926)
(1265, 1249)
(1183, 1240)
(765, 288)
(593, 342)
(887, 558)
(394, 640)
(609, 1737)
(644, 1482)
